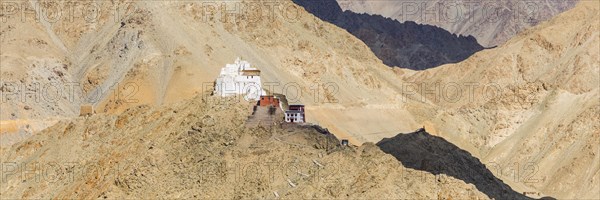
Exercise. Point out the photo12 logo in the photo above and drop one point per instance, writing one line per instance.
(57, 172)
(249, 12)
(518, 172)
(462, 11)
(453, 92)
(65, 11)
(293, 91)
(73, 92)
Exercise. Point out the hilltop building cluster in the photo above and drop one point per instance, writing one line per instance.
(241, 78)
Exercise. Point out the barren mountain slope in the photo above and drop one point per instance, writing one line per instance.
(534, 106)
(168, 49)
(164, 51)
(406, 45)
(201, 149)
(491, 22)
(422, 151)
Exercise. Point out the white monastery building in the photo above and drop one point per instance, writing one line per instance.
(239, 79)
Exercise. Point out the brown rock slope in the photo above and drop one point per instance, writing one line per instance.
(534, 109)
(164, 51)
(422, 151)
(201, 149)
(545, 114)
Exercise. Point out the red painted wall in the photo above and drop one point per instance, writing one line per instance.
(269, 100)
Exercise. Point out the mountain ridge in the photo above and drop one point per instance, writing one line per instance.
(405, 45)
(546, 113)
(491, 22)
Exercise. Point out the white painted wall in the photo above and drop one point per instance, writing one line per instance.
(297, 117)
(231, 81)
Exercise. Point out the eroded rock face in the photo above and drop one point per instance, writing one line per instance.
(406, 45)
(491, 22)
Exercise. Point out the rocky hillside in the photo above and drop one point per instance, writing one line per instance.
(422, 151)
(491, 22)
(160, 52)
(536, 109)
(406, 45)
(201, 149)
(532, 102)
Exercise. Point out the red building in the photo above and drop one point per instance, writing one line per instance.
(269, 100)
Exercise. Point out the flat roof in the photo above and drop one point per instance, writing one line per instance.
(250, 70)
(251, 73)
(293, 111)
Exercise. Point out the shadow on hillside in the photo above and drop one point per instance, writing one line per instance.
(422, 151)
(406, 45)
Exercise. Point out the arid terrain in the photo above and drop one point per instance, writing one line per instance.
(541, 118)
(491, 22)
(201, 149)
(528, 109)
(406, 45)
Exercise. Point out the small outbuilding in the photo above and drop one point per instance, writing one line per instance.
(345, 142)
(86, 110)
(295, 114)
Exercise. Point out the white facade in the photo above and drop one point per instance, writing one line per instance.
(294, 116)
(238, 79)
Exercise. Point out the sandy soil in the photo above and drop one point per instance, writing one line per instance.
(167, 51)
(201, 149)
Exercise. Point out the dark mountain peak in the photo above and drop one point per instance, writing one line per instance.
(327, 10)
(422, 151)
(407, 45)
